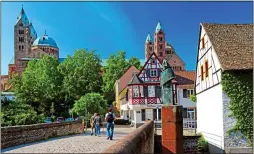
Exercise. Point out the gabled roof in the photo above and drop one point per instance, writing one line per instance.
(185, 79)
(233, 43)
(135, 79)
(126, 77)
(148, 61)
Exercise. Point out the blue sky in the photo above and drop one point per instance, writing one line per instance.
(112, 26)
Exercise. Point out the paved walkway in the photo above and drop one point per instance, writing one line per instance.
(72, 144)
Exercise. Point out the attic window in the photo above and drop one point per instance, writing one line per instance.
(203, 42)
(153, 61)
(206, 68)
(202, 73)
(153, 73)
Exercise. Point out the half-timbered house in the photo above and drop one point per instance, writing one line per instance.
(221, 48)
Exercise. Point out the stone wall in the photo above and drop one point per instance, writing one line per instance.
(234, 140)
(139, 141)
(16, 135)
(190, 144)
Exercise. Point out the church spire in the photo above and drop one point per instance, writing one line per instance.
(158, 27)
(22, 16)
(148, 38)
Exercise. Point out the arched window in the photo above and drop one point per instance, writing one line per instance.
(19, 47)
(22, 47)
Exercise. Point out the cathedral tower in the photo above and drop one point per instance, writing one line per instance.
(148, 46)
(159, 42)
(24, 35)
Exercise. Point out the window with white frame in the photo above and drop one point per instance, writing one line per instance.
(187, 93)
(153, 73)
(135, 91)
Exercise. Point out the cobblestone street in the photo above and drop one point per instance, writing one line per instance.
(72, 144)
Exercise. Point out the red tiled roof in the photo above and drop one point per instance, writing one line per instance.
(126, 77)
(185, 79)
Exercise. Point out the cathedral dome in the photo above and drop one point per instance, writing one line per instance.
(45, 40)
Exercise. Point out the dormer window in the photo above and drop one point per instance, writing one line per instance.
(153, 73)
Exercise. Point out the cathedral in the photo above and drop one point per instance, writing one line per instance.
(27, 46)
(162, 49)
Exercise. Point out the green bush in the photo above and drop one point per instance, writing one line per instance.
(202, 144)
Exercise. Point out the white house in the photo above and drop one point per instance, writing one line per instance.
(222, 47)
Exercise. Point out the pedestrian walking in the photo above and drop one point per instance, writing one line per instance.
(92, 124)
(109, 118)
(97, 123)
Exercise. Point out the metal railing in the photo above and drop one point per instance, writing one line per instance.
(189, 123)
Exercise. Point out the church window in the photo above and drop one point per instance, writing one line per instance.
(160, 46)
(167, 52)
(153, 73)
(202, 73)
(22, 47)
(21, 24)
(19, 47)
(206, 68)
(160, 38)
(203, 42)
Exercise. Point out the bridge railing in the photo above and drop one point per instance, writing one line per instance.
(139, 141)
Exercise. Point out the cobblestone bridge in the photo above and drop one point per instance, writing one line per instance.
(84, 143)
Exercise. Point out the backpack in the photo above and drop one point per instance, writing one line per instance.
(110, 118)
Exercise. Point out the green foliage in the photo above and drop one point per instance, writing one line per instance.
(18, 113)
(52, 108)
(239, 88)
(81, 74)
(202, 144)
(114, 103)
(135, 62)
(193, 98)
(92, 103)
(115, 68)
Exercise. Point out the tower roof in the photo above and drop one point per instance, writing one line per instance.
(148, 38)
(158, 27)
(22, 16)
(33, 32)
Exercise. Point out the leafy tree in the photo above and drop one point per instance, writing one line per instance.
(81, 74)
(135, 62)
(193, 98)
(90, 103)
(18, 113)
(52, 108)
(115, 68)
(40, 84)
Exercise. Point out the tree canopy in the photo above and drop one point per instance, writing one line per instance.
(135, 62)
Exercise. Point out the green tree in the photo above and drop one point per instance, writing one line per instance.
(90, 103)
(135, 62)
(81, 74)
(40, 84)
(18, 113)
(114, 69)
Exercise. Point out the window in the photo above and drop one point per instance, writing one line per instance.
(141, 93)
(135, 91)
(206, 68)
(158, 91)
(190, 114)
(20, 24)
(160, 46)
(153, 61)
(22, 47)
(203, 42)
(190, 92)
(167, 52)
(153, 73)
(155, 114)
(160, 38)
(19, 47)
(143, 114)
(202, 73)
(185, 93)
(184, 112)
(145, 91)
(160, 53)
(151, 91)
(21, 31)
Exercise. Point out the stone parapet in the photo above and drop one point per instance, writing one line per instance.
(16, 135)
(139, 141)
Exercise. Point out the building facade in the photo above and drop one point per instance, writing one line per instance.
(221, 48)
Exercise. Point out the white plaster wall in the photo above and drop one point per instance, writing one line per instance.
(185, 102)
(210, 117)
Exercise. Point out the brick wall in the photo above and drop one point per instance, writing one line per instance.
(16, 135)
(139, 141)
(190, 144)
